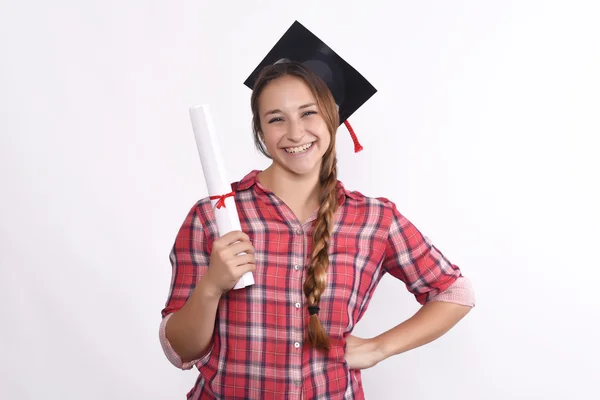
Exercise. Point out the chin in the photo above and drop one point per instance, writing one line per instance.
(302, 169)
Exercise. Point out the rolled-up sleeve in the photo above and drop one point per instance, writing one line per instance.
(170, 353)
(427, 273)
(189, 257)
(460, 292)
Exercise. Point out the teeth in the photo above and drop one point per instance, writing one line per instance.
(299, 149)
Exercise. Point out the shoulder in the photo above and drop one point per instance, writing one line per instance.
(203, 208)
(370, 205)
(200, 215)
(358, 197)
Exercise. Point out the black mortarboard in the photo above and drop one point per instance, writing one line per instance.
(348, 87)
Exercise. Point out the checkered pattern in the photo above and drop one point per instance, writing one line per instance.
(258, 349)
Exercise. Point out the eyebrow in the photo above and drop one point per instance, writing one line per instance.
(299, 108)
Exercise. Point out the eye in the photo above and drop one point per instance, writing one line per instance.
(276, 119)
(309, 113)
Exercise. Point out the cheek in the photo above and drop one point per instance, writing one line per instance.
(271, 134)
(317, 126)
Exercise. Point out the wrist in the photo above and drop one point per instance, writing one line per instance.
(208, 290)
(379, 349)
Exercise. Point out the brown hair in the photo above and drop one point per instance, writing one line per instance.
(316, 281)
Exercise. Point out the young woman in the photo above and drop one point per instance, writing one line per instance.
(317, 252)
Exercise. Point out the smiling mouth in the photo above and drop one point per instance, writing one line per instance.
(299, 149)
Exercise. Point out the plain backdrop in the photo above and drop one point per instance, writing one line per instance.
(484, 131)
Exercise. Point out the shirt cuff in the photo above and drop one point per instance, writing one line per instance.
(460, 292)
(172, 356)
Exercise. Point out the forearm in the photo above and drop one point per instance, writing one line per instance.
(190, 330)
(432, 320)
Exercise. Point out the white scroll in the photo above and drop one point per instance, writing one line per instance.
(216, 178)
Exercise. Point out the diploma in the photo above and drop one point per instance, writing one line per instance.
(219, 188)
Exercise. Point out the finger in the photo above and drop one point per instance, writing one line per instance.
(244, 259)
(235, 236)
(241, 247)
(250, 267)
(229, 238)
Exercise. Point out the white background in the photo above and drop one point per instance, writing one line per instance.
(484, 132)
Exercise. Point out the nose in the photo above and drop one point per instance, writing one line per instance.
(296, 131)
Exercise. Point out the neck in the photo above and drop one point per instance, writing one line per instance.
(298, 191)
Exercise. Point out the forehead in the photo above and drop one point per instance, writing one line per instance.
(287, 91)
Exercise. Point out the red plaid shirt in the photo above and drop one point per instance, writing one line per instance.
(258, 349)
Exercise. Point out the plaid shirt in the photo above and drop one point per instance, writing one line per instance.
(258, 349)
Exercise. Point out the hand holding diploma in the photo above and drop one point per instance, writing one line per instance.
(232, 258)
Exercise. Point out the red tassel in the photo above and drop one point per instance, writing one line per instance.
(357, 146)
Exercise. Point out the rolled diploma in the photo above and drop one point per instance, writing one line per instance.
(216, 178)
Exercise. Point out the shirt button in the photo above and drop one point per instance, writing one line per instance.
(297, 382)
(299, 231)
(296, 267)
(297, 345)
(298, 305)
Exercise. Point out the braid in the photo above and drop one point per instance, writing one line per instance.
(316, 280)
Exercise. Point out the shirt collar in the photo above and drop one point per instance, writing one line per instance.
(251, 179)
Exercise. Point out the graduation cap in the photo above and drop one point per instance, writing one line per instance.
(348, 87)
